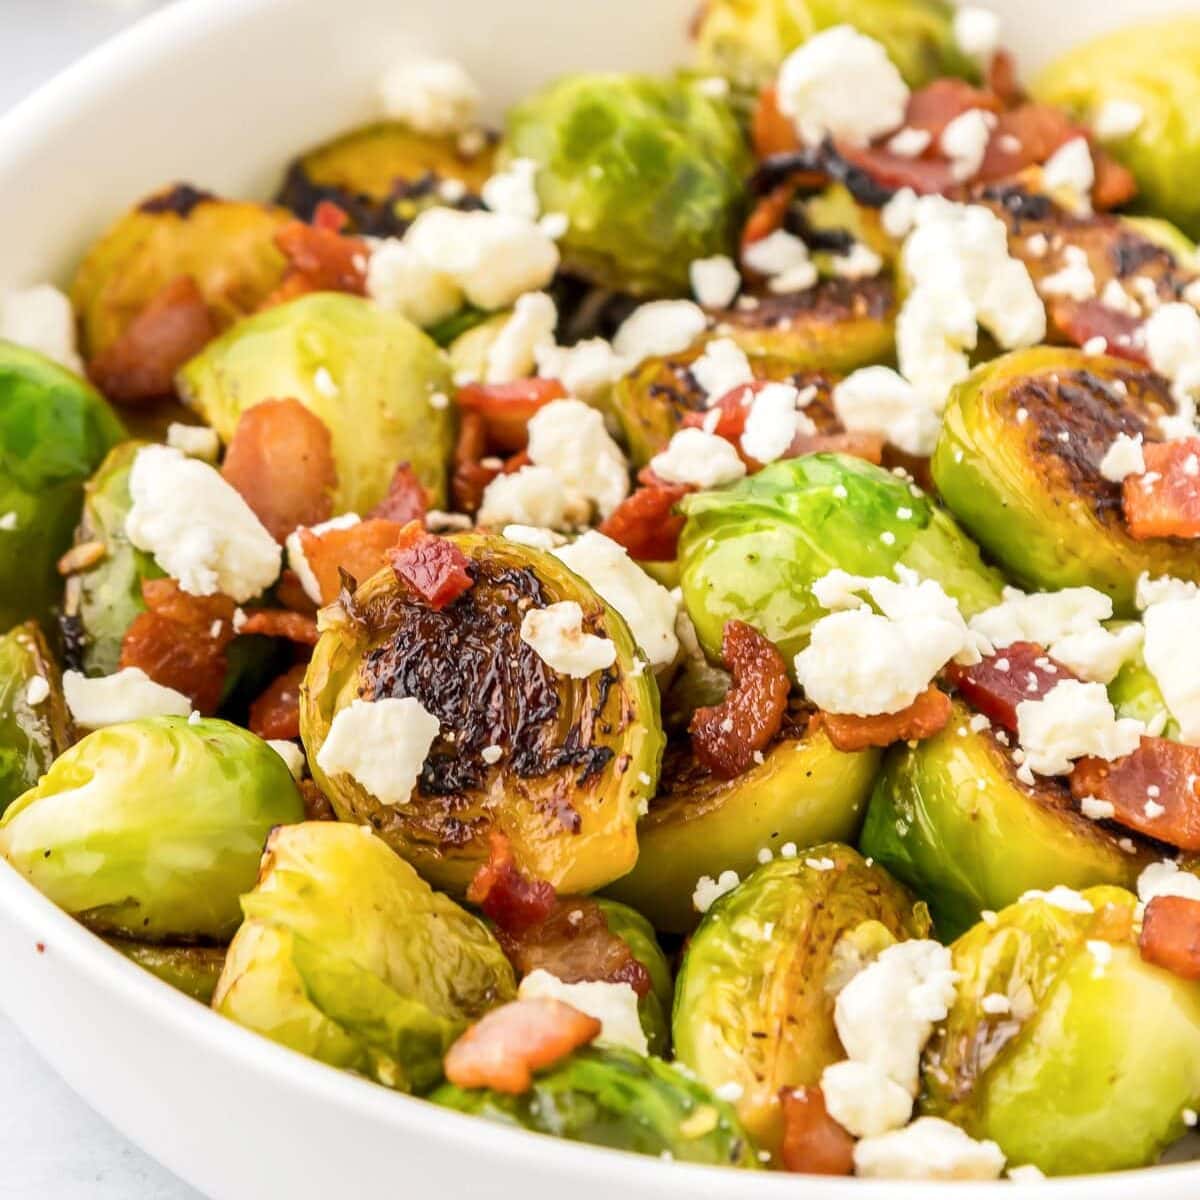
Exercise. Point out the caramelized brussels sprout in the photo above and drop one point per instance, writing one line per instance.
(152, 828)
(752, 552)
(950, 818)
(370, 375)
(578, 756)
(347, 956)
(616, 1098)
(1029, 488)
(754, 999)
(654, 1008)
(804, 792)
(35, 726)
(192, 970)
(1092, 1061)
(649, 172)
(54, 430)
(226, 246)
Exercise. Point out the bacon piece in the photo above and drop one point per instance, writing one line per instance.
(278, 622)
(768, 214)
(934, 106)
(726, 737)
(1165, 501)
(359, 550)
(276, 713)
(433, 567)
(1002, 79)
(995, 686)
(770, 131)
(813, 1142)
(510, 899)
(406, 499)
(328, 215)
(320, 259)
(1079, 321)
(926, 176)
(646, 524)
(316, 803)
(732, 408)
(289, 591)
(1170, 935)
(923, 718)
(1159, 773)
(140, 365)
(507, 407)
(469, 476)
(1115, 184)
(867, 446)
(503, 1049)
(281, 462)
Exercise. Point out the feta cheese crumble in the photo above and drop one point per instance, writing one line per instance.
(722, 367)
(41, 318)
(296, 559)
(715, 281)
(929, 1148)
(291, 754)
(1166, 879)
(773, 423)
(570, 438)
(1073, 720)
(513, 353)
(614, 1005)
(401, 281)
(708, 890)
(1117, 118)
(878, 400)
(964, 142)
(555, 634)
(514, 190)
(127, 695)
(37, 691)
(1123, 458)
(1172, 654)
(783, 258)
(977, 32)
(863, 1100)
(1069, 174)
(702, 459)
(196, 441)
(430, 95)
(659, 328)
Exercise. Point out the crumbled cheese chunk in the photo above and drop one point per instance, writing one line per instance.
(512, 354)
(614, 1005)
(1097, 810)
(996, 1004)
(381, 745)
(199, 529)
(532, 496)
(531, 535)
(976, 32)
(570, 438)
(722, 367)
(878, 400)
(291, 754)
(555, 633)
(37, 690)
(708, 890)
(715, 281)
(196, 441)
(492, 754)
(41, 318)
(899, 215)
(295, 552)
(1061, 897)
(127, 695)
(1172, 654)
(863, 1100)
(783, 258)
(1069, 174)
(1073, 720)
(1098, 654)
(1172, 335)
(773, 423)
(1166, 879)
(910, 143)
(964, 142)
(659, 328)
(401, 281)
(699, 458)
(1075, 280)
(514, 190)
(929, 1148)
(1162, 590)
(1119, 300)
(859, 262)
(1123, 458)
(431, 95)
(587, 370)
(1117, 118)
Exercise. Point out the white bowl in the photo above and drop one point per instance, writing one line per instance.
(223, 93)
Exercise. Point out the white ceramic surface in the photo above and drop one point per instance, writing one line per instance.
(223, 92)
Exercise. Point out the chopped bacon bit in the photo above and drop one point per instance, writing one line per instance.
(289, 591)
(768, 214)
(506, 896)
(330, 216)
(726, 737)
(316, 803)
(813, 1142)
(732, 408)
(281, 461)
(1170, 935)
(1002, 79)
(934, 106)
(1161, 774)
(503, 1049)
(646, 524)
(278, 622)
(1165, 501)
(320, 260)
(1081, 321)
(995, 686)
(433, 567)
(867, 446)
(406, 499)
(140, 365)
(923, 718)
(926, 176)
(469, 476)
(771, 132)
(507, 407)
(276, 713)
(1115, 184)
(359, 550)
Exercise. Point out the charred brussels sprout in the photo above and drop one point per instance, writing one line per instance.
(192, 970)
(1029, 488)
(226, 246)
(654, 1008)
(616, 1098)
(804, 791)
(579, 757)
(379, 410)
(347, 956)
(152, 828)
(54, 430)
(648, 171)
(754, 999)
(35, 726)
(950, 818)
(752, 552)
(1097, 1056)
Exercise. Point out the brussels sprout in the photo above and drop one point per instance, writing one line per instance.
(648, 171)
(54, 430)
(579, 756)
(949, 818)
(35, 726)
(192, 970)
(1035, 500)
(152, 828)
(1098, 1054)
(616, 1098)
(1153, 66)
(347, 956)
(1135, 693)
(385, 373)
(754, 998)
(804, 791)
(752, 552)
(226, 246)
(654, 1008)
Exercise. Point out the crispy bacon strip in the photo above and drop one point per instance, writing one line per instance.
(926, 176)
(320, 259)
(994, 687)
(768, 214)
(432, 567)
(1170, 935)
(276, 713)
(726, 737)
(506, 408)
(406, 499)
(1165, 502)
(360, 551)
(923, 718)
(510, 899)
(1080, 321)
(469, 476)
(867, 446)
(277, 622)
(813, 1142)
(140, 365)
(503, 1049)
(646, 523)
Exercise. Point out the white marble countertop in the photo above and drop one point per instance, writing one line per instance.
(52, 1145)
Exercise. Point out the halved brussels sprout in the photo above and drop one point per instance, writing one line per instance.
(1094, 1060)
(370, 375)
(579, 757)
(648, 171)
(226, 246)
(804, 792)
(950, 818)
(35, 726)
(654, 1008)
(54, 430)
(616, 1098)
(1135, 693)
(152, 828)
(192, 970)
(1029, 488)
(752, 552)
(346, 955)
(755, 994)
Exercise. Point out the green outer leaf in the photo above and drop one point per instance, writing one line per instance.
(654, 1008)
(192, 970)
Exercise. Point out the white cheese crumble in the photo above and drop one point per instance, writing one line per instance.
(291, 754)
(1162, 590)
(531, 535)
(198, 528)
(1172, 654)
(532, 496)
(196, 441)
(878, 400)
(1123, 458)
(1172, 337)
(702, 459)
(614, 1005)
(492, 754)
(964, 142)
(1061, 897)
(722, 367)
(1116, 119)
(586, 370)
(570, 438)
(977, 32)
(1073, 720)
(859, 262)
(773, 423)
(37, 691)
(295, 552)
(1166, 879)
(910, 143)
(996, 1004)
(1069, 174)
(127, 695)
(783, 258)
(708, 890)
(1075, 279)
(512, 355)
(657, 329)
(401, 281)
(555, 634)
(715, 281)
(381, 745)
(929, 1148)
(1097, 810)
(431, 95)
(514, 190)
(41, 318)
(863, 1100)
